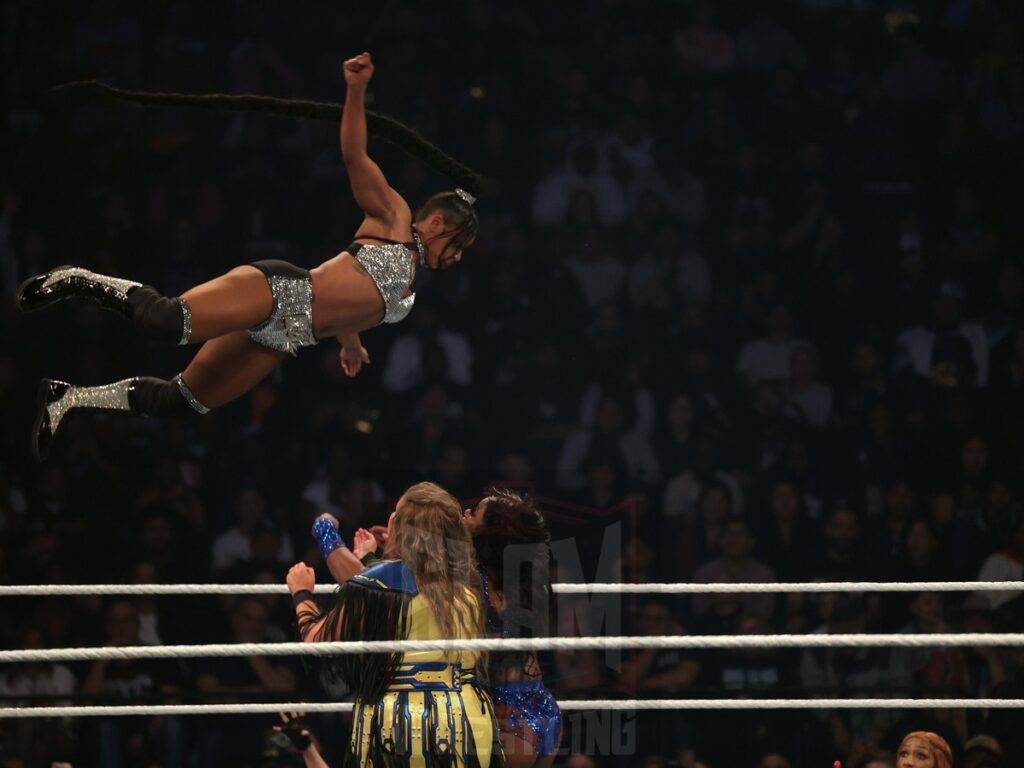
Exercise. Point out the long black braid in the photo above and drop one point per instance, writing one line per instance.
(381, 126)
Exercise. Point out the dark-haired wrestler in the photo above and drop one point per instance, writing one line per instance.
(253, 316)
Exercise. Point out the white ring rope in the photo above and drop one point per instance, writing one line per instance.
(566, 706)
(53, 590)
(518, 644)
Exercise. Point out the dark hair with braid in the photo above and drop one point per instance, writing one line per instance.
(457, 212)
(379, 125)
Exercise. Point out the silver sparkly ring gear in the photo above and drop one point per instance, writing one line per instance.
(189, 396)
(419, 248)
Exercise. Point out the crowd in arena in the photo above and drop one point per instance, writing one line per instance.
(746, 304)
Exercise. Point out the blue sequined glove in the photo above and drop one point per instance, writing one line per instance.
(327, 536)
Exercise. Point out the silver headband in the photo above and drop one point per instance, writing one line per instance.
(465, 195)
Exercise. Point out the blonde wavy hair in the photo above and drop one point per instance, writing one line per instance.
(428, 535)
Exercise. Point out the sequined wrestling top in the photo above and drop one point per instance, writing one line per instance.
(391, 269)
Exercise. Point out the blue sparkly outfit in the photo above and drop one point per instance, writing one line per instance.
(521, 704)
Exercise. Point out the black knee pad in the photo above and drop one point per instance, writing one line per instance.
(157, 316)
(160, 398)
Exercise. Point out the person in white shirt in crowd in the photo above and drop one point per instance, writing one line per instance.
(808, 400)
(235, 544)
(597, 268)
(36, 678)
(768, 358)
(949, 351)
(630, 147)
(649, 282)
(1005, 565)
(671, 261)
(608, 432)
(408, 365)
(683, 490)
(672, 180)
(585, 172)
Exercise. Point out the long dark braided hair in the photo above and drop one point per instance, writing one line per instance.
(381, 126)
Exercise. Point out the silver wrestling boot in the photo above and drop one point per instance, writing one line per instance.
(138, 396)
(64, 282)
(56, 399)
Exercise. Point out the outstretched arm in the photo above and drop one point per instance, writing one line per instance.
(369, 187)
(340, 561)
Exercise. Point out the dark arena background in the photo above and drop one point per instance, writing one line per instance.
(746, 304)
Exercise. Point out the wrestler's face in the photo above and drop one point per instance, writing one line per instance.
(474, 517)
(915, 752)
(442, 241)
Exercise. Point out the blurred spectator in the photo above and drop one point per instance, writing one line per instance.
(736, 565)
(236, 544)
(659, 673)
(609, 436)
(915, 76)
(631, 378)
(808, 401)
(1005, 565)
(983, 751)
(666, 673)
(139, 681)
(774, 760)
(229, 739)
(784, 534)
(877, 758)
(683, 491)
(764, 44)
(842, 557)
(845, 671)
(583, 181)
(768, 358)
(703, 45)
(948, 351)
(928, 671)
(41, 684)
(429, 353)
(597, 268)
(672, 179)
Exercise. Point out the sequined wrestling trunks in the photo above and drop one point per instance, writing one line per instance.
(290, 324)
(528, 704)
